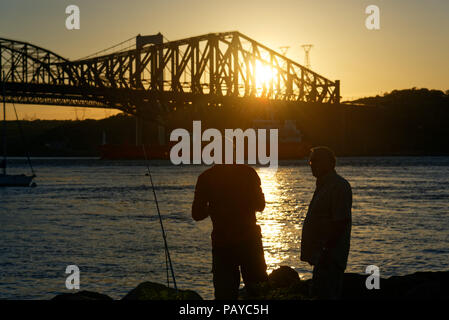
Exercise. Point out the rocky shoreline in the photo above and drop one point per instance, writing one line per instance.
(285, 284)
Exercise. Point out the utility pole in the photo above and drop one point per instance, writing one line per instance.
(307, 48)
(284, 50)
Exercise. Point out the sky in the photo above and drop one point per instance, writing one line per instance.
(411, 48)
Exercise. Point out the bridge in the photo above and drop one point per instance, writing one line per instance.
(156, 77)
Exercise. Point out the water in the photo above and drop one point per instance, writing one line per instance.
(101, 216)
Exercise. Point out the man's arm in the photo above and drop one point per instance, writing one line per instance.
(259, 197)
(341, 217)
(200, 206)
(341, 201)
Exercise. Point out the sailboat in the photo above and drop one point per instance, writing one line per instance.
(16, 180)
(12, 180)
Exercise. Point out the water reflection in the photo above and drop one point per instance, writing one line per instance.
(274, 220)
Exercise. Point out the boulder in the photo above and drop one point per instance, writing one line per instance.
(155, 291)
(283, 277)
(419, 285)
(354, 287)
(82, 295)
(283, 283)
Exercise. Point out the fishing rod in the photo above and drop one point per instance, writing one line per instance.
(3, 163)
(167, 252)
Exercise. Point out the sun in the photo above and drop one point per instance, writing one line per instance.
(265, 77)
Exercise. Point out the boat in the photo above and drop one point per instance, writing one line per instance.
(291, 142)
(17, 180)
(12, 180)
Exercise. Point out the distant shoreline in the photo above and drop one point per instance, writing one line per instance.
(24, 158)
(411, 122)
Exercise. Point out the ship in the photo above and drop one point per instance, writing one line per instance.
(132, 152)
(291, 144)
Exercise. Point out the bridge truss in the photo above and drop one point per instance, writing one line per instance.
(160, 77)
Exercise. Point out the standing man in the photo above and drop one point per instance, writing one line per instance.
(230, 194)
(326, 232)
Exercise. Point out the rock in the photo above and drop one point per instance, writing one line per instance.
(82, 295)
(283, 283)
(428, 290)
(354, 287)
(283, 277)
(419, 285)
(286, 284)
(155, 291)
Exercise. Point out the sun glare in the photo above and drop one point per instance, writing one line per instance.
(265, 77)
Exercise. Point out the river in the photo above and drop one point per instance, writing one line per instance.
(101, 216)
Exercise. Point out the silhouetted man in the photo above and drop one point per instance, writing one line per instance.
(326, 231)
(230, 194)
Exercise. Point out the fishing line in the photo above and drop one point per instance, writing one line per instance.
(167, 252)
(24, 141)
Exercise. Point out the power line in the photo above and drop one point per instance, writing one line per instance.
(109, 48)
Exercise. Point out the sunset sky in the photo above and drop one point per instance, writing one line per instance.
(410, 49)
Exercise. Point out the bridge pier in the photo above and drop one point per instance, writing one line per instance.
(139, 131)
(157, 135)
(337, 92)
(161, 135)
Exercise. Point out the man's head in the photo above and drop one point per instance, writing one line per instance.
(322, 161)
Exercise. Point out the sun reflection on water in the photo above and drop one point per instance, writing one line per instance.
(274, 221)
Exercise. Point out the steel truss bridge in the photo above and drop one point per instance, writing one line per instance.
(156, 76)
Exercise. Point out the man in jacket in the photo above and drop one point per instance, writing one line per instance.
(326, 231)
(230, 194)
